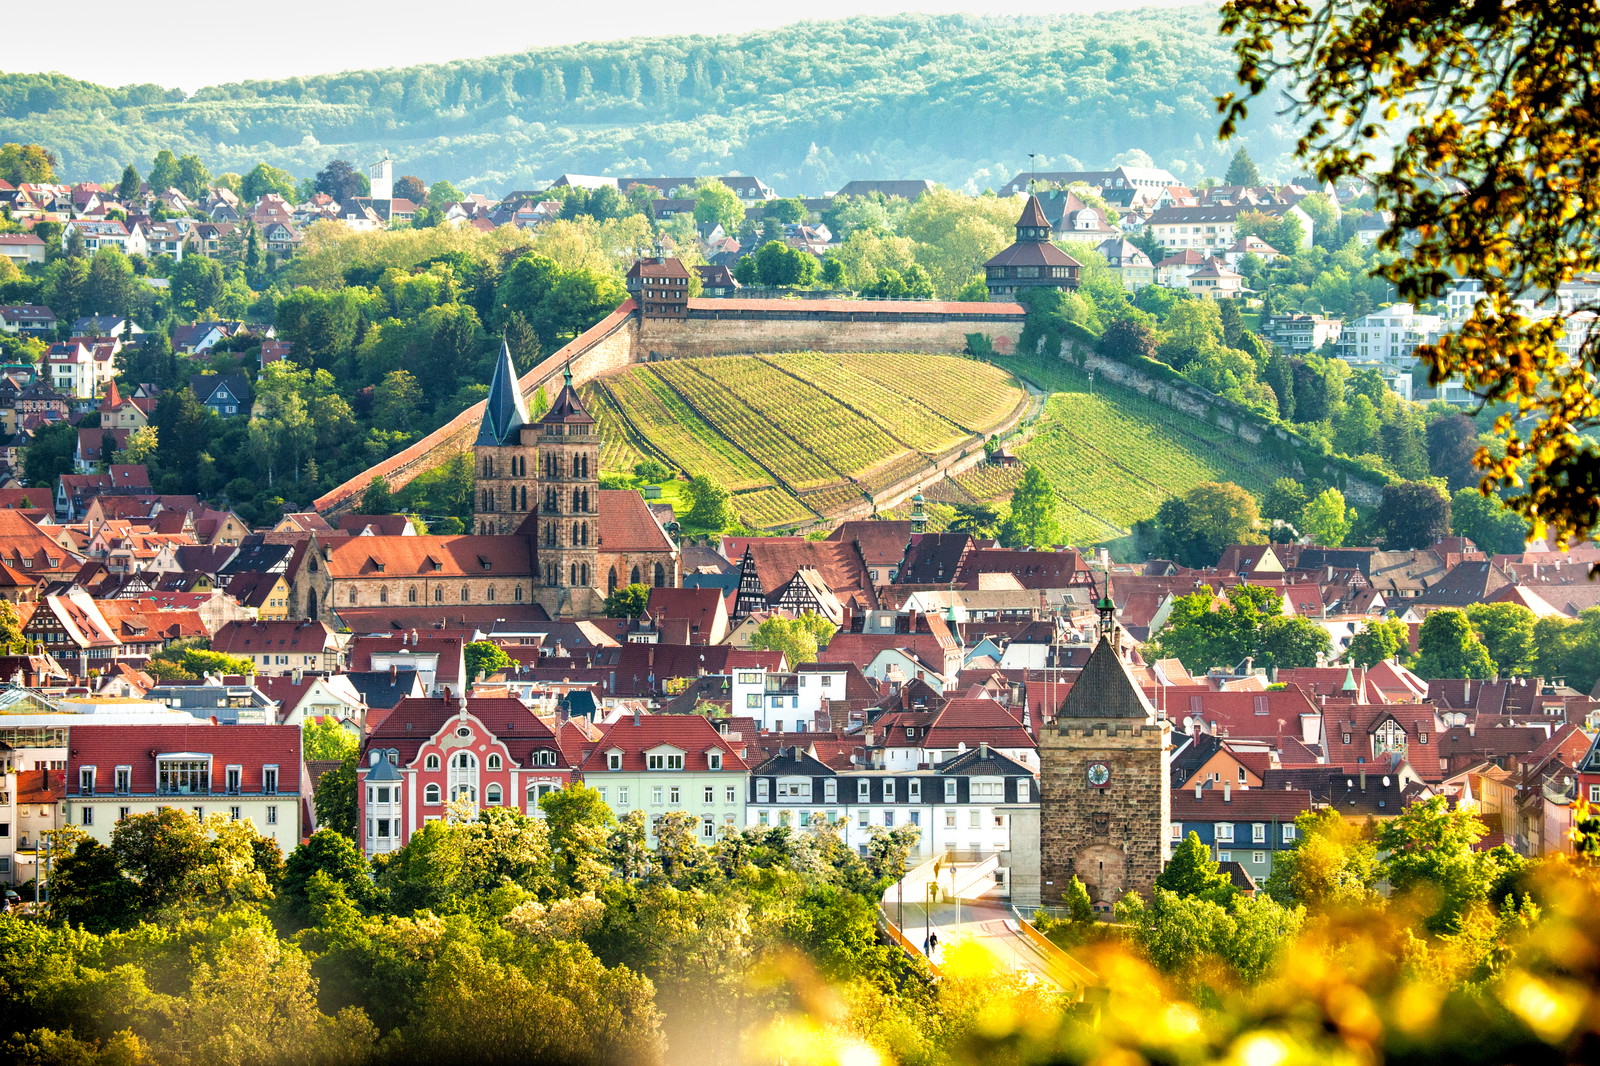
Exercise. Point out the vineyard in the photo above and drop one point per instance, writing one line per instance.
(797, 437)
(1114, 456)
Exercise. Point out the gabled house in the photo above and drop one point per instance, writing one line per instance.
(662, 764)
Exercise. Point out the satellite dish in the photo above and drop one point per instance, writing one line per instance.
(1385, 782)
(1349, 782)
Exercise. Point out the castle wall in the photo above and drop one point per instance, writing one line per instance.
(737, 330)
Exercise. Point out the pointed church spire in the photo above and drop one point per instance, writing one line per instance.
(505, 411)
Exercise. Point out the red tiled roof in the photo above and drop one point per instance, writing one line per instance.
(976, 721)
(626, 524)
(1241, 804)
(249, 747)
(441, 556)
(415, 720)
(253, 638)
(690, 733)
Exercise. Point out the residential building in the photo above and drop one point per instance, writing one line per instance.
(665, 763)
(428, 753)
(22, 248)
(246, 772)
(1301, 333)
(966, 804)
(282, 647)
(1249, 826)
(1130, 262)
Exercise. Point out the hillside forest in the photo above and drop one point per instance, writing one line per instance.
(954, 98)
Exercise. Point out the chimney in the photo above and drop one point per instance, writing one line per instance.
(983, 750)
(636, 715)
(1199, 791)
(1227, 792)
(1363, 779)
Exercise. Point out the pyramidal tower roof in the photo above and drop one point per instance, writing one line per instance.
(1106, 689)
(505, 411)
(568, 408)
(1033, 214)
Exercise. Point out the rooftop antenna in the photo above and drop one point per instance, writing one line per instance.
(1031, 175)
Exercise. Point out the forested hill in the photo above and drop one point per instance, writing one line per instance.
(953, 98)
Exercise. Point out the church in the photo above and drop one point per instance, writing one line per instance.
(541, 480)
(544, 533)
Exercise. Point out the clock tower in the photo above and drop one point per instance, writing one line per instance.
(1105, 794)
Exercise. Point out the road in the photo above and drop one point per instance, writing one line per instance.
(989, 922)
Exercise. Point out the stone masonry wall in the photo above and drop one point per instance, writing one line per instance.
(756, 333)
(1114, 838)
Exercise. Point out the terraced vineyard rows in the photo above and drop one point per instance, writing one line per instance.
(977, 399)
(915, 424)
(744, 427)
(846, 442)
(988, 482)
(798, 437)
(620, 452)
(771, 508)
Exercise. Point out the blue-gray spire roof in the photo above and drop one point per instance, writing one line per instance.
(505, 411)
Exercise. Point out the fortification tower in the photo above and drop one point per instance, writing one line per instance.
(504, 454)
(1105, 804)
(568, 498)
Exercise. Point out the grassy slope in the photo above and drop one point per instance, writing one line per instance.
(1114, 456)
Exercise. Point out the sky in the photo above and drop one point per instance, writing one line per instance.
(306, 37)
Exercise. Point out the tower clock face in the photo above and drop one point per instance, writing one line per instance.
(1099, 775)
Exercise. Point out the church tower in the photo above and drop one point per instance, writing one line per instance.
(504, 454)
(1105, 801)
(568, 500)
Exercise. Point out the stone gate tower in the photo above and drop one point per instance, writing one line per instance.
(1105, 793)
(504, 454)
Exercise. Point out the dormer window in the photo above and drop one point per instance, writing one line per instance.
(614, 760)
(714, 760)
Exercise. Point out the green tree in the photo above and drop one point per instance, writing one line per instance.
(1294, 641)
(88, 889)
(263, 179)
(1242, 171)
(1379, 640)
(128, 187)
(1194, 873)
(193, 177)
(396, 400)
(1506, 630)
(335, 857)
(628, 601)
(1447, 647)
(1195, 528)
(1285, 501)
(162, 852)
(1487, 522)
(1431, 853)
(163, 172)
(976, 520)
(1413, 514)
(797, 638)
(335, 798)
(376, 497)
(580, 824)
(715, 204)
(197, 284)
(30, 163)
(1033, 518)
(1327, 520)
(484, 658)
(49, 454)
(324, 739)
(1333, 864)
(710, 506)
